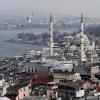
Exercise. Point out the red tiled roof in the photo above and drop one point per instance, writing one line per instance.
(39, 78)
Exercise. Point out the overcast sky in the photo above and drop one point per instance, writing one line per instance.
(66, 7)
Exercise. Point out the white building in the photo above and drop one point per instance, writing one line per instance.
(3, 87)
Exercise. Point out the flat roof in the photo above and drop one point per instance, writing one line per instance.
(35, 98)
(70, 84)
(53, 83)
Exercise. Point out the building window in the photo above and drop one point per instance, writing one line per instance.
(1, 89)
(24, 89)
(24, 95)
(30, 94)
(30, 87)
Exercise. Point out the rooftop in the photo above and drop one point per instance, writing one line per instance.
(52, 83)
(18, 86)
(70, 84)
(35, 98)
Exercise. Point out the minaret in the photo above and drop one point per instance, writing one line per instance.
(82, 40)
(93, 43)
(51, 36)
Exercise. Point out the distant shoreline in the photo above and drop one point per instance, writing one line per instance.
(18, 42)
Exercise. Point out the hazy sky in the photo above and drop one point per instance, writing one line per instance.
(66, 7)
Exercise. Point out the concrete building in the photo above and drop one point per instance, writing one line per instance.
(19, 91)
(3, 86)
(70, 91)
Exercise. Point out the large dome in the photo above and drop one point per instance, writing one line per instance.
(73, 48)
(77, 39)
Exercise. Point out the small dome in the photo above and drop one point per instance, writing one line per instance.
(73, 48)
(32, 51)
(77, 38)
(69, 37)
(89, 48)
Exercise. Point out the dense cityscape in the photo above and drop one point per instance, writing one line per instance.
(48, 54)
(68, 69)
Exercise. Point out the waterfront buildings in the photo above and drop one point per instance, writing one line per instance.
(64, 71)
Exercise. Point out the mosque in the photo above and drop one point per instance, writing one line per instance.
(78, 55)
(78, 48)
